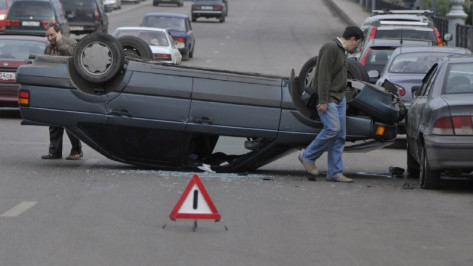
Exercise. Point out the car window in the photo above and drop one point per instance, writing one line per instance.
(378, 56)
(26, 9)
(428, 84)
(166, 23)
(459, 79)
(415, 62)
(156, 38)
(406, 34)
(20, 49)
(79, 4)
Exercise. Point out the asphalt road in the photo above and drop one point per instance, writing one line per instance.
(99, 212)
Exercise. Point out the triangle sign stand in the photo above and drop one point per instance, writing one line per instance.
(195, 203)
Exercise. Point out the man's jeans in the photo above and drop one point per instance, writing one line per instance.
(331, 139)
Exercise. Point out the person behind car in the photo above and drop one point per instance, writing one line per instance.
(330, 82)
(60, 46)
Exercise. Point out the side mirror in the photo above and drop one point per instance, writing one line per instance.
(415, 90)
(373, 74)
(448, 37)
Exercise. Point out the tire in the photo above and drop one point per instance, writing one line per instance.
(135, 48)
(413, 166)
(428, 178)
(98, 57)
(191, 53)
(362, 73)
(222, 19)
(185, 56)
(193, 18)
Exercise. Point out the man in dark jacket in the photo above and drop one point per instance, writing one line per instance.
(58, 45)
(330, 82)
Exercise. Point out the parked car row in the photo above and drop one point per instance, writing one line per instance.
(435, 84)
(30, 17)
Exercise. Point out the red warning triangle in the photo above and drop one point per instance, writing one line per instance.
(195, 203)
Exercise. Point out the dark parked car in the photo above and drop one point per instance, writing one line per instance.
(14, 50)
(377, 52)
(209, 9)
(177, 2)
(180, 28)
(439, 125)
(30, 17)
(155, 115)
(86, 16)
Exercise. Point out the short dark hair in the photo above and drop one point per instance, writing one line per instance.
(353, 31)
(56, 26)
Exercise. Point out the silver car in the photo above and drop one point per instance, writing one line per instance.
(439, 123)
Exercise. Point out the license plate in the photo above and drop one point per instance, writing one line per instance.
(76, 28)
(7, 76)
(207, 7)
(30, 23)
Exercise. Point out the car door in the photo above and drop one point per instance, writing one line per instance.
(235, 105)
(147, 118)
(416, 118)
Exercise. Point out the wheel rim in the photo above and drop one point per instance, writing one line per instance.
(309, 77)
(97, 58)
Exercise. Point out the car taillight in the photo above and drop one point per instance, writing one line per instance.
(363, 60)
(179, 39)
(400, 89)
(373, 32)
(162, 56)
(24, 98)
(217, 8)
(380, 130)
(12, 22)
(195, 7)
(437, 35)
(456, 125)
(96, 14)
(46, 22)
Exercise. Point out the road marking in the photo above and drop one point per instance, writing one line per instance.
(19, 209)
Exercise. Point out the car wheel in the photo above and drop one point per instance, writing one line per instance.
(186, 55)
(412, 165)
(98, 57)
(222, 19)
(194, 18)
(428, 178)
(306, 75)
(357, 66)
(191, 53)
(135, 48)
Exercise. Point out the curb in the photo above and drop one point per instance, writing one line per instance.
(335, 8)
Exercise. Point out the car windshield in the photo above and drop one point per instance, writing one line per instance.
(20, 49)
(166, 23)
(415, 63)
(156, 38)
(27, 9)
(406, 34)
(79, 4)
(459, 79)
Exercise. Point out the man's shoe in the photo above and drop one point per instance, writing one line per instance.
(309, 167)
(74, 156)
(342, 179)
(50, 156)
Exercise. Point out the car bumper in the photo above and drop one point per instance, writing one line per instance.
(8, 95)
(207, 14)
(449, 152)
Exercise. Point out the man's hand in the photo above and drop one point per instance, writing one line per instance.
(322, 107)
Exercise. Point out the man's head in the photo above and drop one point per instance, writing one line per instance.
(352, 36)
(53, 33)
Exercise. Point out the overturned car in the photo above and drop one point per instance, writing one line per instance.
(113, 97)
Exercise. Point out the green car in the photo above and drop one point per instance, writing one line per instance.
(30, 17)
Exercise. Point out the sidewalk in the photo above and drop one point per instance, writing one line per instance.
(350, 11)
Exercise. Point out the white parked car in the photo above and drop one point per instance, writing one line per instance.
(160, 41)
(112, 4)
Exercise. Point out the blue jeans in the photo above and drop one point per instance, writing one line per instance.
(331, 139)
